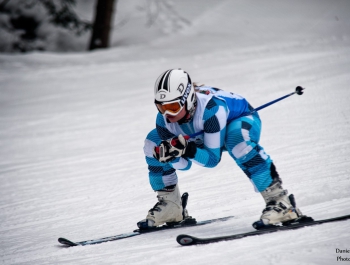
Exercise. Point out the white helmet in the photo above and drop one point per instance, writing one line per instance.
(172, 91)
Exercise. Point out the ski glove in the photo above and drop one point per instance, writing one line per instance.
(175, 147)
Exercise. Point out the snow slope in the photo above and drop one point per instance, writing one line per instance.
(72, 130)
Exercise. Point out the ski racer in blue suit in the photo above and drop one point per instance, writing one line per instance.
(196, 124)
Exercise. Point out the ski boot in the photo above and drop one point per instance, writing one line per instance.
(280, 208)
(170, 209)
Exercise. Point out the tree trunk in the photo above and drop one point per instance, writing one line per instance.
(102, 24)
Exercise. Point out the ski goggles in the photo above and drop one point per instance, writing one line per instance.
(173, 108)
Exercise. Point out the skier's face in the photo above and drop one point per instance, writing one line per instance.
(177, 117)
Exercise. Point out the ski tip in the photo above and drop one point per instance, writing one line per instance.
(67, 242)
(186, 240)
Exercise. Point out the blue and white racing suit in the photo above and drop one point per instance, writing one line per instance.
(219, 116)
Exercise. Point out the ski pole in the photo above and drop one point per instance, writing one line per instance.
(298, 90)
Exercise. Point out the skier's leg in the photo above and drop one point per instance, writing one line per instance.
(163, 179)
(242, 143)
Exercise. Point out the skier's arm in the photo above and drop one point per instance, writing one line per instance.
(214, 118)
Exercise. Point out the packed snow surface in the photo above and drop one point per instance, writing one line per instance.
(73, 126)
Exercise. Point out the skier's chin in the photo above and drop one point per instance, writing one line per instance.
(171, 118)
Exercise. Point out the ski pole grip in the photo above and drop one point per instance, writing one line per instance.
(175, 139)
(173, 142)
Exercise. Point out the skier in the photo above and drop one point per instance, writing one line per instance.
(217, 121)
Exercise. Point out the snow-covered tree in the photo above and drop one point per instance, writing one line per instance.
(27, 25)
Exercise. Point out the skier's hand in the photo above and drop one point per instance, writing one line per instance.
(162, 152)
(175, 147)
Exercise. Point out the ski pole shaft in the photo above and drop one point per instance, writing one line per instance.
(298, 90)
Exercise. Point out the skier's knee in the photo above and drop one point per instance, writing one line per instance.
(240, 150)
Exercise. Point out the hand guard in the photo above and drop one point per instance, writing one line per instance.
(175, 147)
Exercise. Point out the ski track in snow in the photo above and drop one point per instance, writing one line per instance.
(72, 128)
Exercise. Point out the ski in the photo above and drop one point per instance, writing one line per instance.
(188, 222)
(188, 240)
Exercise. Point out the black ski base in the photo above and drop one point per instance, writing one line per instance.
(188, 240)
(188, 222)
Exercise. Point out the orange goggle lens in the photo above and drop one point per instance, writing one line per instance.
(173, 107)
